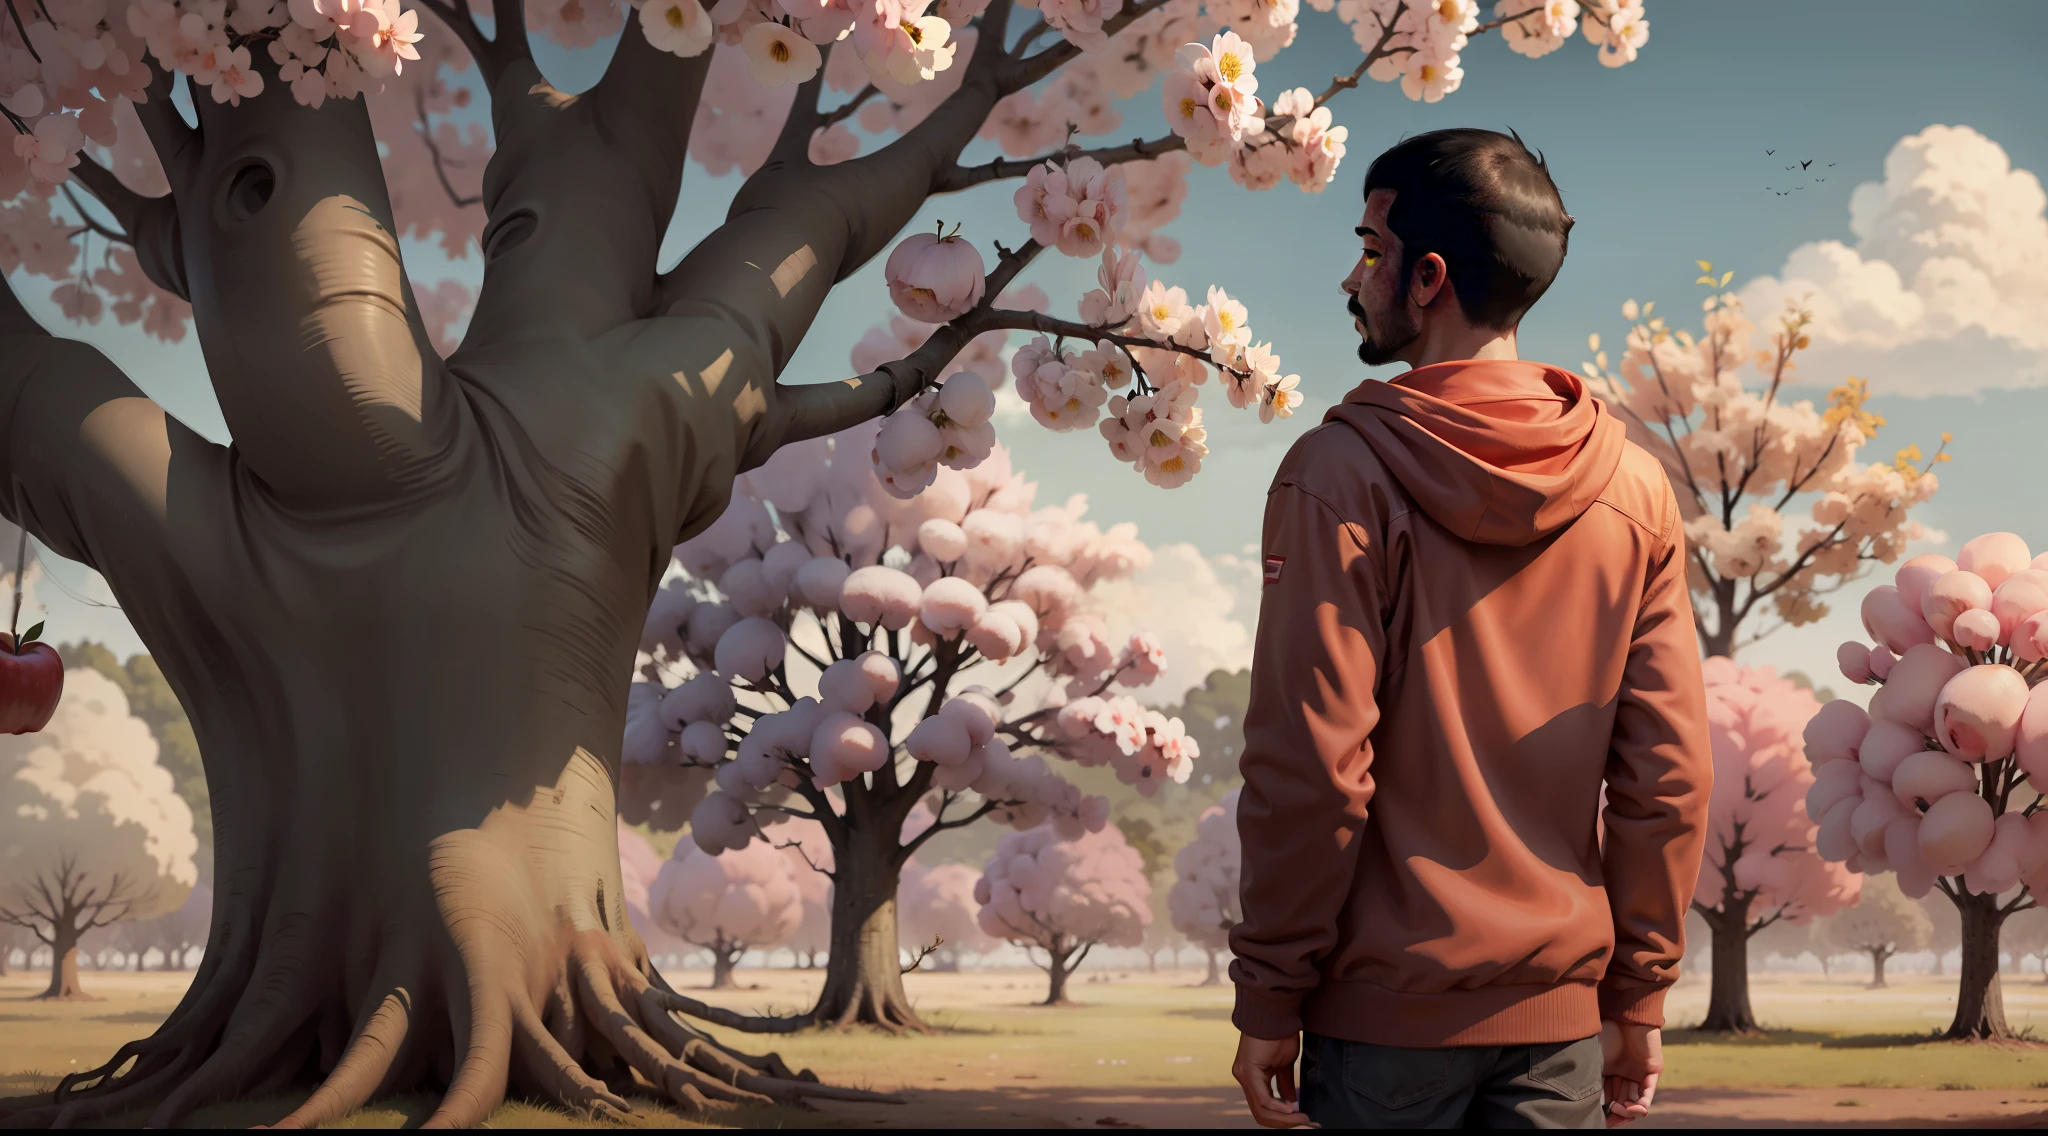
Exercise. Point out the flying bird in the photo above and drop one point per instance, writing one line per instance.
(1768, 153)
(1806, 163)
(1831, 165)
(1820, 179)
(1788, 167)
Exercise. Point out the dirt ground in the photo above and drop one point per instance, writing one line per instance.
(1152, 1050)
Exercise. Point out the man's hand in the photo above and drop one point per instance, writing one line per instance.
(1632, 1058)
(1259, 1064)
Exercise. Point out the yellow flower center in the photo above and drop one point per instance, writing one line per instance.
(912, 31)
(1173, 464)
(925, 293)
(1159, 438)
(1187, 108)
(1224, 321)
(779, 51)
(1429, 72)
(1447, 10)
(1230, 66)
(1072, 404)
(675, 15)
(1223, 99)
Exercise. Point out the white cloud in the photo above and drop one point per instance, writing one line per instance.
(1203, 608)
(1946, 287)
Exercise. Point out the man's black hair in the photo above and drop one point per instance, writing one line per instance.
(1482, 201)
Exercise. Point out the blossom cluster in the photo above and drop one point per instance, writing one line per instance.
(1049, 890)
(1211, 103)
(1759, 837)
(1922, 783)
(818, 577)
(1204, 902)
(1747, 454)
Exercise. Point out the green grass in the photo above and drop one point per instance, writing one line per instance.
(1143, 1048)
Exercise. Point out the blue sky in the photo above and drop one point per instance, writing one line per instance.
(1661, 162)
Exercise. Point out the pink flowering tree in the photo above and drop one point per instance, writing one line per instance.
(728, 904)
(1760, 866)
(1203, 901)
(830, 652)
(941, 913)
(1746, 462)
(1064, 897)
(1941, 782)
(419, 466)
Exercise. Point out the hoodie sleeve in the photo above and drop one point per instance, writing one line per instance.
(1660, 772)
(1307, 759)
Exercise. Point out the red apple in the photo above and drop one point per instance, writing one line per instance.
(31, 682)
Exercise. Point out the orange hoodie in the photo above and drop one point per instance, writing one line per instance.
(1474, 613)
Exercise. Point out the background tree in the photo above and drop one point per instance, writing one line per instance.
(175, 934)
(852, 658)
(151, 699)
(2026, 936)
(1948, 929)
(1064, 897)
(1883, 923)
(1760, 866)
(95, 835)
(810, 855)
(1204, 901)
(394, 488)
(1940, 782)
(1741, 459)
(738, 901)
(939, 907)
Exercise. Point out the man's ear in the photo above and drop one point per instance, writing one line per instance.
(1428, 280)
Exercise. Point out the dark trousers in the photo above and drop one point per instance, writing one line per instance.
(1350, 1084)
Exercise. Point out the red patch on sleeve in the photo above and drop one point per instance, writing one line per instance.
(1273, 566)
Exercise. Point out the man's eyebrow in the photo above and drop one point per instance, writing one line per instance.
(1366, 231)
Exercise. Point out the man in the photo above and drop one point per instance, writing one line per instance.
(1474, 614)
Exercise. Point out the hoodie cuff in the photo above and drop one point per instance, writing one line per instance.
(1633, 1005)
(1260, 1014)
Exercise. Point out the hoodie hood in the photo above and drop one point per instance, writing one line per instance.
(1498, 451)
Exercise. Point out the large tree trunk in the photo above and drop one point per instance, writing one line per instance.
(1728, 1009)
(863, 967)
(1215, 975)
(1063, 958)
(1878, 955)
(64, 985)
(724, 958)
(1980, 995)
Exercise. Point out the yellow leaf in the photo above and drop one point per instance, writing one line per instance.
(1726, 277)
(1947, 437)
(1593, 342)
(1707, 280)
(1649, 307)
(1705, 265)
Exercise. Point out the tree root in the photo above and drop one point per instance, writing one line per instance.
(606, 1028)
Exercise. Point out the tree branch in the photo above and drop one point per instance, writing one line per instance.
(811, 410)
(492, 56)
(1017, 74)
(149, 224)
(1139, 149)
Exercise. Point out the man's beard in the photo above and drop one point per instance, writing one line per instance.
(1385, 340)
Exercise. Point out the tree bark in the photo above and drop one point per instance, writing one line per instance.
(1060, 964)
(1728, 1009)
(64, 986)
(1215, 975)
(1878, 955)
(1980, 994)
(724, 957)
(863, 970)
